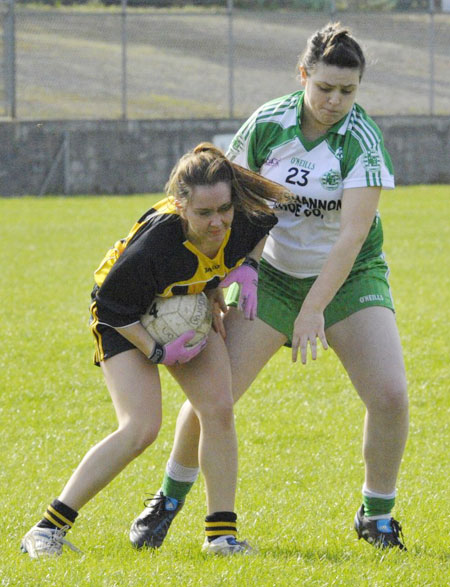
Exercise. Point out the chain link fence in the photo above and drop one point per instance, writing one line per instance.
(210, 61)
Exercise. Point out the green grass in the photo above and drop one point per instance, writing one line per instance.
(299, 427)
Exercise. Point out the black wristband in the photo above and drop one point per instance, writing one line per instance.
(251, 262)
(158, 354)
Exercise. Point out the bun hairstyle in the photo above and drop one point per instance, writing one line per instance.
(207, 165)
(333, 45)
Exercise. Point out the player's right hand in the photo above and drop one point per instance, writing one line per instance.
(218, 309)
(308, 327)
(176, 351)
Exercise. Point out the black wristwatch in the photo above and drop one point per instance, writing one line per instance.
(251, 262)
(158, 354)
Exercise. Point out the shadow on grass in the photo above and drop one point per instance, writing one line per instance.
(336, 555)
(308, 554)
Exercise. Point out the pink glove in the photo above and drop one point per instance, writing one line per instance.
(246, 275)
(176, 351)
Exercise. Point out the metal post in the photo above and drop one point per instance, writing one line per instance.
(66, 167)
(62, 152)
(432, 53)
(230, 60)
(332, 10)
(124, 59)
(10, 60)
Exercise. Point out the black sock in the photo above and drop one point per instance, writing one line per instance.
(58, 515)
(220, 524)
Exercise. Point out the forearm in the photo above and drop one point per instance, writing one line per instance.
(139, 337)
(334, 272)
(358, 210)
(257, 251)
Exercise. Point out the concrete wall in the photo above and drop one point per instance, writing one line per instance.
(120, 157)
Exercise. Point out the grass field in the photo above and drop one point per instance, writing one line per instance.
(300, 427)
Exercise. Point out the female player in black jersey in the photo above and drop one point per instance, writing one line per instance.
(214, 220)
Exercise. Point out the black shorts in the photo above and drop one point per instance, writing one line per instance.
(108, 342)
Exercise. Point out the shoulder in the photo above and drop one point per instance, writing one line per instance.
(159, 228)
(162, 209)
(363, 129)
(162, 214)
(270, 124)
(278, 106)
(282, 111)
(366, 161)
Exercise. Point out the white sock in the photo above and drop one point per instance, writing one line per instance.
(178, 472)
(369, 493)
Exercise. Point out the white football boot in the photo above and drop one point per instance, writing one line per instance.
(226, 545)
(39, 542)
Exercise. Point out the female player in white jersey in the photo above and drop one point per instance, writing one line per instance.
(322, 275)
(212, 224)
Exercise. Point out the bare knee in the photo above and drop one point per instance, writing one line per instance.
(138, 436)
(390, 397)
(218, 411)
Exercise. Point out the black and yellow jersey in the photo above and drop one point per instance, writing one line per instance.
(156, 259)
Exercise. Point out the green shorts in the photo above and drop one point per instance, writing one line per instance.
(281, 296)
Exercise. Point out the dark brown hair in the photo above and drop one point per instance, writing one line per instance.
(333, 45)
(207, 165)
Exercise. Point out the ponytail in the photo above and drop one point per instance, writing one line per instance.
(207, 165)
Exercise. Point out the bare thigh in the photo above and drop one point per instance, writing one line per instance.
(206, 379)
(250, 344)
(135, 389)
(368, 345)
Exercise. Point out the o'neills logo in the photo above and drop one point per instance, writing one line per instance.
(371, 298)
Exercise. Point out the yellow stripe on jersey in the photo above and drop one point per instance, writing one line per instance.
(207, 269)
(165, 206)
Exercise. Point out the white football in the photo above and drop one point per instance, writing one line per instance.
(168, 318)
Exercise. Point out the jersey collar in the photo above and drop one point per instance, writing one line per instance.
(339, 128)
(191, 247)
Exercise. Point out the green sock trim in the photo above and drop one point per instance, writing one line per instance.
(175, 489)
(377, 506)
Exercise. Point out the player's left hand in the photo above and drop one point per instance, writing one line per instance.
(218, 308)
(308, 327)
(176, 351)
(247, 277)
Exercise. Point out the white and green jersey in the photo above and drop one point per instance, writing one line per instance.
(350, 155)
